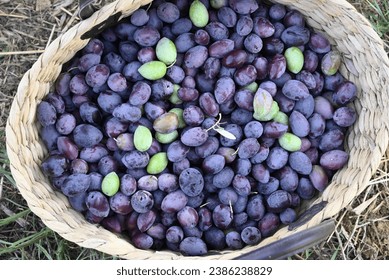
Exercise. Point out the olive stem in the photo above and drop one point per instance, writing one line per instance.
(71, 69)
(234, 153)
(216, 123)
(221, 130)
(205, 204)
(174, 62)
(149, 6)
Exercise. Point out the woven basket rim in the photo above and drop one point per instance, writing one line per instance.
(367, 140)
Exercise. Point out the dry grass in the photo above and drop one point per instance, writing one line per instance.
(26, 28)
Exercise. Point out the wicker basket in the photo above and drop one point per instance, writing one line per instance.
(364, 62)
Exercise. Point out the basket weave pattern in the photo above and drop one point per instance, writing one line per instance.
(364, 62)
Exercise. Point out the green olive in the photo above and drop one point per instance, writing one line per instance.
(153, 70)
(281, 117)
(253, 87)
(263, 102)
(174, 97)
(142, 138)
(217, 4)
(274, 109)
(110, 184)
(157, 163)
(198, 14)
(294, 59)
(180, 114)
(290, 142)
(166, 51)
(166, 138)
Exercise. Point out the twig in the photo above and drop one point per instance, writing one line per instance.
(299, 257)
(24, 34)
(5, 79)
(21, 52)
(51, 36)
(381, 179)
(72, 18)
(234, 153)
(66, 11)
(205, 204)
(231, 210)
(373, 221)
(14, 16)
(352, 233)
(336, 226)
(342, 248)
(378, 207)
